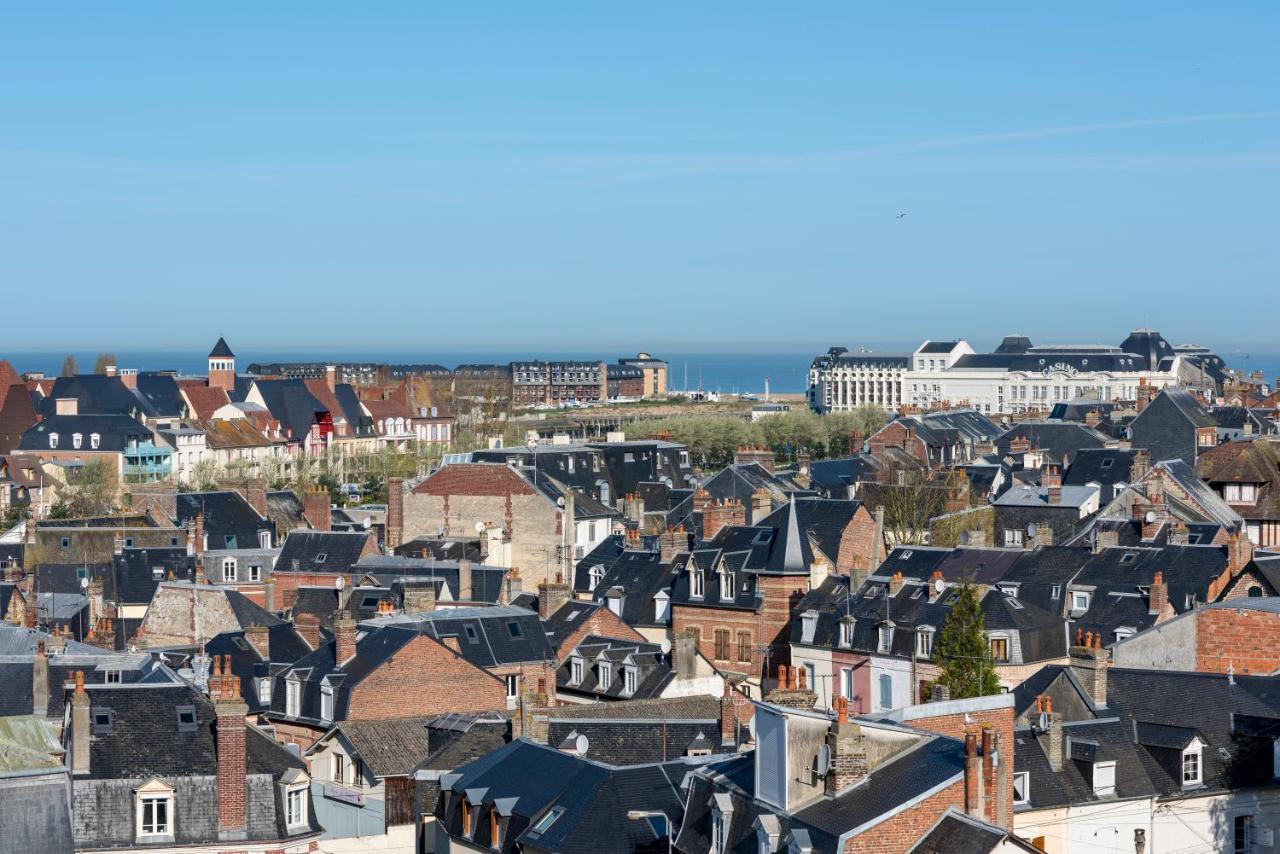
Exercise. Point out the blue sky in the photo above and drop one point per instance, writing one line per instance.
(658, 175)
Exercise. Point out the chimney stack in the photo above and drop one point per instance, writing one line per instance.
(1239, 552)
(317, 510)
(420, 597)
(331, 376)
(552, 596)
(1158, 598)
(847, 747)
(40, 681)
(195, 535)
(464, 581)
(792, 692)
(79, 727)
(395, 512)
(1056, 749)
(66, 406)
(701, 499)
(1140, 466)
(255, 492)
(934, 593)
(1089, 661)
(728, 718)
(722, 514)
(515, 586)
(685, 656)
(761, 506)
(344, 637)
(895, 583)
(972, 775)
(671, 543)
(308, 628)
(259, 638)
(233, 771)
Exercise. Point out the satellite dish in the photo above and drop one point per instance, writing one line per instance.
(84, 582)
(665, 646)
(560, 501)
(368, 522)
(823, 762)
(1031, 529)
(479, 527)
(1150, 517)
(939, 585)
(1044, 721)
(580, 745)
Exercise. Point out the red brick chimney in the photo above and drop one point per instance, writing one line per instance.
(895, 583)
(552, 596)
(344, 637)
(934, 593)
(255, 492)
(701, 500)
(1158, 597)
(195, 535)
(672, 542)
(308, 628)
(395, 512)
(972, 775)
(259, 638)
(720, 514)
(847, 747)
(331, 376)
(1053, 483)
(728, 717)
(233, 769)
(1239, 552)
(316, 508)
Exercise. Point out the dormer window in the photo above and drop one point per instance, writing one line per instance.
(924, 642)
(846, 632)
(467, 814)
(264, 691)
(95, 440)
(808, 626)
(295, 805)
(886, 637)
(576, 668)
(77, 439)
(292, 698)
(595, 576)
(628, 680)
(53, 440)
(605, 675)
(153, 804)
(326, 703)
(1079, 601)
(1021, 788)
(229, 569)
(264, 539)
(726, 585)
(1192, 773)
(696, 581)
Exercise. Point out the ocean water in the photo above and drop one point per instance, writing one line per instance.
(728, 372)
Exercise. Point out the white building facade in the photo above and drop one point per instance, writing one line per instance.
(840, 381)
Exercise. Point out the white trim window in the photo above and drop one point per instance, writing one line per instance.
(326, 703)
(153, 804)
(1021, 788)
(605, 670)
(77, 439)
(696, 581)
(576, 668)
(53, 441)
(513, 685)
(846, 633)
(295, 806)
(95, 440)
(228, 569)
(1192, 772)
(628, 680)
(264, 691)
(292, 697)
(255, 572)
(924, 642)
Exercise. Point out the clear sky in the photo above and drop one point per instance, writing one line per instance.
(656, 175)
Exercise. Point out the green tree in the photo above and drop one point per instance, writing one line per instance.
(104, 361)
(69, 367)
(967, 670)
(92, 492)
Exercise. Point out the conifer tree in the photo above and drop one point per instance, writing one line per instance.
(967, 669)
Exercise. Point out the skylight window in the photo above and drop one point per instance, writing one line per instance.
(1129, 557)
(548, 819)
(471, 632)
(320, 558)
(186, 718)
(1106, 463)
(514, 630)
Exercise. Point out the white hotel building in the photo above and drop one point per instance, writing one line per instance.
(1018, 376)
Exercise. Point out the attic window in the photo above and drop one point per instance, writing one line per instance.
(1021, 788)
(1055, 592)
(763, 537)
(369, 602)
(241, 643)
(471, 632)
(1106, 463)
(549, 818)
(514, 630)
(320, 558)
(905, 555)
(1128, 557)
(102, 722)
(186, 718)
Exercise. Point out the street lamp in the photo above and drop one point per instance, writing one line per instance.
(637, 815)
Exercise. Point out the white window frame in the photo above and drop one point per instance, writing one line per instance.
(726, 585)
(95, 439)
(53, 441)
(149, 795)
(576, 669)
(77, 439)
(697, 581)
(326, 703)
(255, 572)
(229, 569)
(292, 697)
(513, 685)
(924, 642)
(1192, 767)
(1078, 596)
(295, 806)
(628, 680)
(338, 767)
(604, 674)
(846, 633)
(1021, 779)
(264, 691)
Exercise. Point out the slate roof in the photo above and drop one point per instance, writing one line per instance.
(959, 833)
(487, 636)
(230, 521)
(640, 573)
(115, 432)
(1059, 440)
(388, 748)
(320, 551)
(221, 350)
(98, 394)
(292, 404)
(397, 572)
(135, 574)
(652, 669)
(531, 780)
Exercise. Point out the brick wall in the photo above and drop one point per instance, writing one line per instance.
(1247, 640)
(954, 726)
(858, 544)
(425, 678)
(902, 831)
(770, 625)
